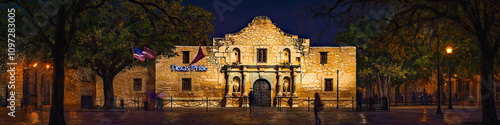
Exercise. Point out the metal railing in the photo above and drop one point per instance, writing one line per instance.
(280, 101)
(309, 99)
(375, 104)
(138, 103)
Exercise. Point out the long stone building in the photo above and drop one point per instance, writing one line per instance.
(263, 59)
(278, 67)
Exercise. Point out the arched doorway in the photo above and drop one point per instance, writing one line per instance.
(262, 93)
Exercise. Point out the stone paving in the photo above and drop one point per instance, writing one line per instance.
(403, 115)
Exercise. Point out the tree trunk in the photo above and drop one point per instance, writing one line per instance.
(109, 96)
(487, 91)
(379, 83)
(59, 51)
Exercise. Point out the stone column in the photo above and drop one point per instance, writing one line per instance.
(294, 84)
(244, 83)
(280, 84)
(229, 95)
(295, 102)
(246, 79)
(229, 87)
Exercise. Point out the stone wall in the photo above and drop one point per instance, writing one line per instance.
(123, 85)
(43, 79)
(314, 73)
(302, 68)
(204, 84)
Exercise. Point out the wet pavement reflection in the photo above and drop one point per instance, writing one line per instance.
(414, 115)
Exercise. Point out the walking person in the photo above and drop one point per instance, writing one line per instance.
(318, 106)
(359, 100)
(159, 102)
(251, 98)
(152, 100)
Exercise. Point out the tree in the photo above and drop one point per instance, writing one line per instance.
(374, 68)
(104, 43)
(478, 19)
(56, 23)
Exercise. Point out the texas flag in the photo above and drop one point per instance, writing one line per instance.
(138, 54)
(198, 56)
(149, 53)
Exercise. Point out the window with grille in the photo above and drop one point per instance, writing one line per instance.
(137, 84)
(186, 84)
(185, 57)
(261, 55)
(328, 85)
(324, 57)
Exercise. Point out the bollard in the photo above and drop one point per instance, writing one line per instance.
(352, 103)
(121, 103)
(279, 104)
(308, 104)
(207, 103)
(389, 105)
(170, 103)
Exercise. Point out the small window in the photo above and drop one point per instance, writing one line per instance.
(236, 55)
(137, 84)
(286, 56)
(297, 59)
(261, 55)
(186, 84)
(185, 57)
(328, 85)
(324, 57)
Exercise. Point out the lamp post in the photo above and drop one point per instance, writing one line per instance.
(449, 50)
(434, 34)
(35, 91)
(337, 88)
(46, 87)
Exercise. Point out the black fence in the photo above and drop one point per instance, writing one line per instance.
(168, 103)
(375, 104)
(86, 99)
(204, 103)
(3, 102)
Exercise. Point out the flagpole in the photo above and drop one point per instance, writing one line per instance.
(133, 60)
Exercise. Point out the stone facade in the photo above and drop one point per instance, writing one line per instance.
(280, 68)
(123, 85)
(34, 84)
(261, 55)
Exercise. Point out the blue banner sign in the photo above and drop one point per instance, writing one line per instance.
(191, 68)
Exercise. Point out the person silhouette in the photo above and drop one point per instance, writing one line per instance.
(251, 98)
(318, 106)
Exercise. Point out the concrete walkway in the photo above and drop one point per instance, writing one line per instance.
(397, 115)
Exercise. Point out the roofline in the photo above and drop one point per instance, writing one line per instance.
(332, 47)
(193, 46)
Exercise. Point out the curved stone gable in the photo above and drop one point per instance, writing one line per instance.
(261, 31)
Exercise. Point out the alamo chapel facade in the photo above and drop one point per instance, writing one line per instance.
(263, 59)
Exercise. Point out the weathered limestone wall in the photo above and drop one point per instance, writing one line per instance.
(261, 31)
(210, 83)
(123, 85)
(43, 79)
(314, 73)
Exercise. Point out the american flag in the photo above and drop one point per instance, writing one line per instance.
(138, 54)
(149, 53)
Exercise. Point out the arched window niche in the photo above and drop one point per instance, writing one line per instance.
(286, 56)
(236, 56)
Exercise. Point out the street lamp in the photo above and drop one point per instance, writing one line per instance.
(449, 50)
(34, 96)
(47, 66)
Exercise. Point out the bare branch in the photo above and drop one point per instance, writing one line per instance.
(35, 24)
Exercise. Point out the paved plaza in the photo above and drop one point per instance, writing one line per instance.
(397, 115)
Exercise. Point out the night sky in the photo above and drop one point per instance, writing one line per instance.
(291, 17)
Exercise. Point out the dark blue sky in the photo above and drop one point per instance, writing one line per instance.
(289, 15)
